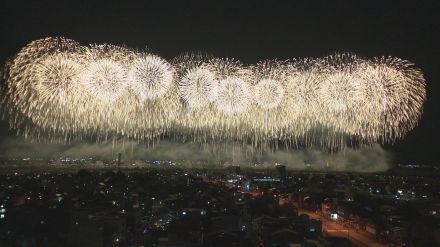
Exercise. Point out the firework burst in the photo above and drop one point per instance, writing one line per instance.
(198, 87)
(55, 88)
(150, 77)
(105, 79)
(234, 95)
(268, 93)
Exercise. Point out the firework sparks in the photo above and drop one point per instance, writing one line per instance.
(150, 77)
(234, 95)
(268, 93)
(198, 87)
(105, 79)
(58, 88)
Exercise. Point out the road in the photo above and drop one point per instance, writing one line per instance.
(361, 238)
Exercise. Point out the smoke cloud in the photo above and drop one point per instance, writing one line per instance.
(363, 159)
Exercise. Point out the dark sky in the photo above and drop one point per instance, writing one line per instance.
(249, 31)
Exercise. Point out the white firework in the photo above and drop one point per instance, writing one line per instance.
(105, 79)
(150, 77)
(56, 77)
(340, 91)
(268, 93)
(234, 95)
(388, 87)
(198, 87)
(56, 87)
(301, 105)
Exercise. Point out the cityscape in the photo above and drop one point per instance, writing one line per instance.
(86, 202)
(219, 124)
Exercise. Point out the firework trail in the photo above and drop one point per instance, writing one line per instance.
(150, 77)
(58, 89)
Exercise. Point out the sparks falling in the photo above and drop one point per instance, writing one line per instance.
(56, 88)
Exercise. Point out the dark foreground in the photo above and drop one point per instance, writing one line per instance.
(200, 207)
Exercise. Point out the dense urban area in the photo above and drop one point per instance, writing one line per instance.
(161, 204)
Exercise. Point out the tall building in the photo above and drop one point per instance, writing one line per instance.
(282, 173)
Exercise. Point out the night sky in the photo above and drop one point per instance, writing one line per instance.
(250, 31)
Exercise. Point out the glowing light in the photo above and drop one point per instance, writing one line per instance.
(55, 88)
(105, 79)
(55, 76)
(234, 95)
(198, 87)
(268, 93)
(150, 77)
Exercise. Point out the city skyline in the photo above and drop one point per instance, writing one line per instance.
(220, 123)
